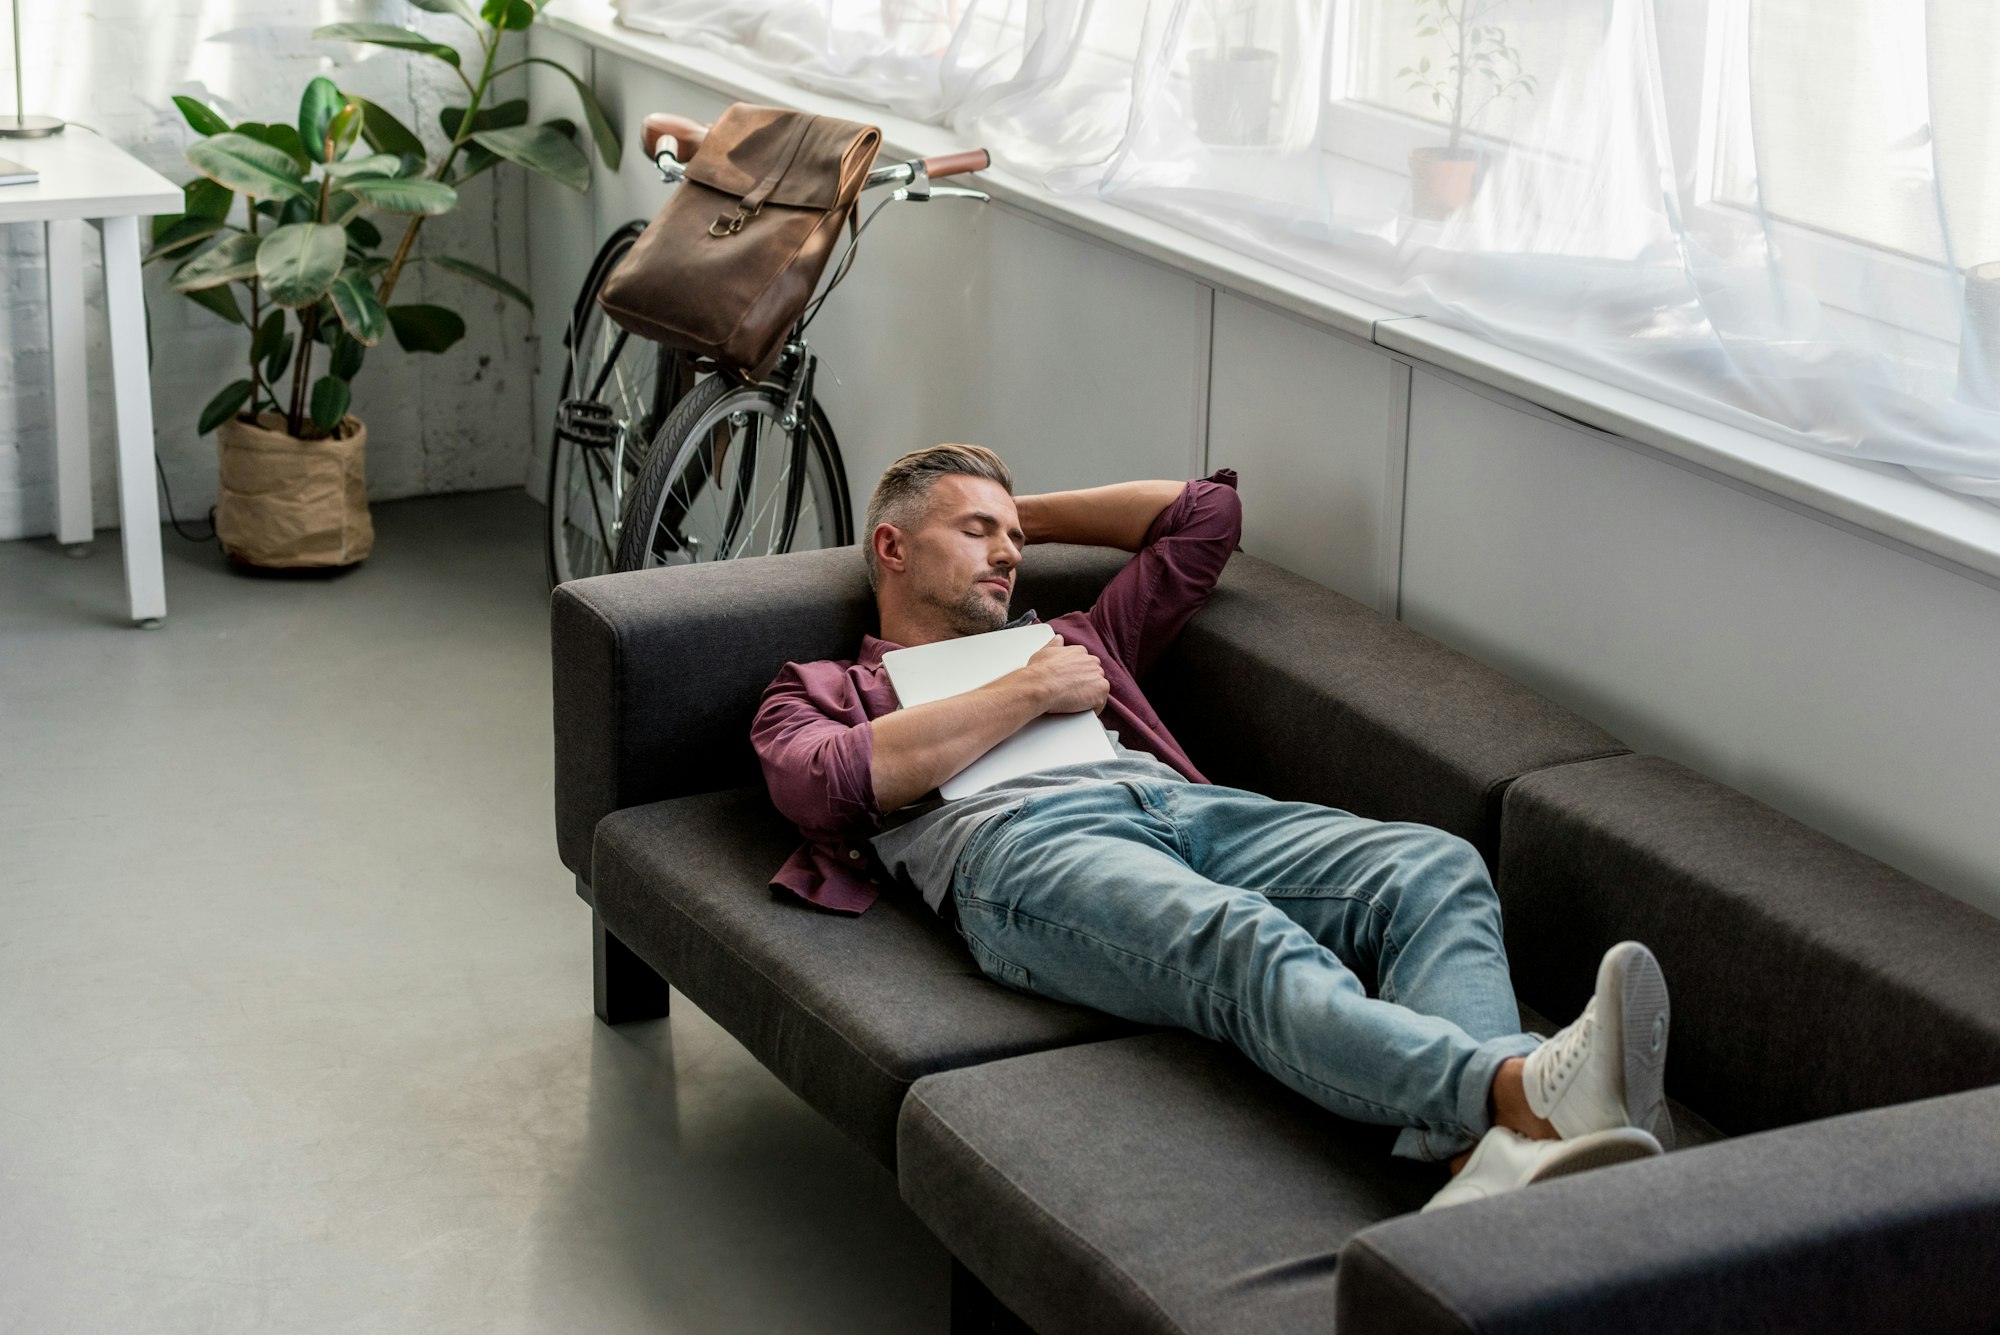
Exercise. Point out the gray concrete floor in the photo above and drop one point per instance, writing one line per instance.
(295, 1026)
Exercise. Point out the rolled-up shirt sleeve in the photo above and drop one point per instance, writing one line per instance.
(816, 752)
(1160, 589)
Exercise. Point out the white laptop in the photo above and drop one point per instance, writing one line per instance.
(952, 667)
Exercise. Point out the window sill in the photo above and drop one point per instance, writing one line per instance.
(1880, 502)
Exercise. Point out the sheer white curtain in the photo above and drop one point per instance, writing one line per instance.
(1784, 214)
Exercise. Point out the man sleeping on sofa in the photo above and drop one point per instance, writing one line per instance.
(1135, 886)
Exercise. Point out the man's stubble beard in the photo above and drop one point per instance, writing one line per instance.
(973, 612)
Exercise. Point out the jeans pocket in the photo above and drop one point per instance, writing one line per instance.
(973, 859)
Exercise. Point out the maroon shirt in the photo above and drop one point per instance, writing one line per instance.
(812, 728)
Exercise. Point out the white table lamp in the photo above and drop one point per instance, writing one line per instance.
(21, 125)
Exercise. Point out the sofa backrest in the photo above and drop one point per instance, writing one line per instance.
(1284, 687)
(1280, 686)
(1807, 979)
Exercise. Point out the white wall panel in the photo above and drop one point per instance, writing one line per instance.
(975, 323)
(1304, 417)
(1839, 680)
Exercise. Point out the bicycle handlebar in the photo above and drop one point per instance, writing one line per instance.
(687, 135)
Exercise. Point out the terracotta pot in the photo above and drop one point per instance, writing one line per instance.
(1233, 95)
(1441, 180)
(287, 502)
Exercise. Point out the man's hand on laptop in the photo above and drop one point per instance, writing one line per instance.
(1068, 678)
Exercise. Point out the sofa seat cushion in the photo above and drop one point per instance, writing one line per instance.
(1158, 1183)
(846, 1011)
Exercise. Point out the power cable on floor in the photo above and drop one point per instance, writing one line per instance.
(173, 518)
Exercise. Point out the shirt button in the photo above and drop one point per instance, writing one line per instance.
(854, 853)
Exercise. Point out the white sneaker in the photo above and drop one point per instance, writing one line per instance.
(1505, 1161)
(1607, 1069)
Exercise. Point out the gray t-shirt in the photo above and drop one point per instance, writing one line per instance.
(922, 847)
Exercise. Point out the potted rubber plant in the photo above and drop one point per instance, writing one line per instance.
(1233, 82)
(1477, 67)
(300, 234)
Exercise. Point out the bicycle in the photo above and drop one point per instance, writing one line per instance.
(657, 462)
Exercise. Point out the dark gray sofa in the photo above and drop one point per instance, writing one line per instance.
(1839, 1020)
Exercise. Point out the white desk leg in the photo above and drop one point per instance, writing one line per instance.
(72, 373)
(131, 382)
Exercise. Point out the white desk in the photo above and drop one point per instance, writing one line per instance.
(86, 178)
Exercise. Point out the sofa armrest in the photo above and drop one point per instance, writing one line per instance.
(657, 673)
(1885, 1220)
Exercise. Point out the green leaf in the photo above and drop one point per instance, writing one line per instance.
(373, 164)
(344, 132)
(346, 359)
(398, 196)
(542, 148)
(232, 260)
(500, 117)
(384, 133)
(298, 262)
(318, 105)
(425, 328)
(207, 199)
(360, 313)
(456, 8)
(267, 335)
(200, 118)
(475, 161)
(223, 406)
(180, 237)
(284, 138)
(330, 397)
(466, 269)
(363, 233)
(280, 355)
(298, 211)
(245, 165)
(508, 15)
(387, 34)
(601, 131)
(221, 300)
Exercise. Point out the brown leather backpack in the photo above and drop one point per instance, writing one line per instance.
(730, 262)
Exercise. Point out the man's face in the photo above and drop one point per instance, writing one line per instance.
(963, 557)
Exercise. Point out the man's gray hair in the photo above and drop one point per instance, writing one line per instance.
(902, 497)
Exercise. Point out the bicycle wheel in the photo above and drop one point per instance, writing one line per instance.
(616, 390)
(723, 479)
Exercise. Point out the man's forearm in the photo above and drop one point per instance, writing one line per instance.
(918, 748)
(1113, 516)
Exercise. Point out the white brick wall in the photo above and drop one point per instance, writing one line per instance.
(457, 422)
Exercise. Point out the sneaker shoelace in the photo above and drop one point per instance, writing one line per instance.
(1571, 1046)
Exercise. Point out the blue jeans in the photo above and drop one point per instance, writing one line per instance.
(1266, 925)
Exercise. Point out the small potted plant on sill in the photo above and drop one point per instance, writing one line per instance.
(300, 264)
(1478, 62)
(1233, 83)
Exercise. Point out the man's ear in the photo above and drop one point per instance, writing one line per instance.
(891, 550)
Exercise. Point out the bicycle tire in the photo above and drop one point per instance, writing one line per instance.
(583, 498)
(676, 512)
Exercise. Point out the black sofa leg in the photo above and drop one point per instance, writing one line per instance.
(626, 986)
(974, 1309)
